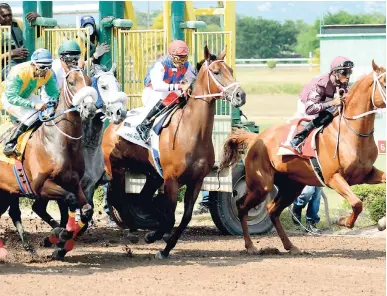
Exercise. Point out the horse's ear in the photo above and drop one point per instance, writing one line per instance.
(223, 53)
(207, 54)
(113, 68)
(375, 67)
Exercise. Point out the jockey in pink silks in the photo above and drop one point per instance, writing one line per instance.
(321, 97)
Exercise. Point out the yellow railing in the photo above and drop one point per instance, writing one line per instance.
(136, 51)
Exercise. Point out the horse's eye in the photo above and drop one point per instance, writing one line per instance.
(72, 82)
(216, 72)
(104, 87)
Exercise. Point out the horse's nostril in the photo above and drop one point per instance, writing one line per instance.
(238, 95)
(118, 112)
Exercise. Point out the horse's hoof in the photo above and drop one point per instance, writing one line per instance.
(252, 250)
(46, 243)
(149, 238)
(382, 224)
(295, 251)
(160, 255)
(65, 235)
(166, 237)
(133, 238)
(58, 254)
(3, 254)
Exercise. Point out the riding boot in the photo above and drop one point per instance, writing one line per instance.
(301, 136)
(9, 148)
(144, 127)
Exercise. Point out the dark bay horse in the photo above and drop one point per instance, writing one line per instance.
(353, 164)
(111, 106)
(187, 152)
(53, 158)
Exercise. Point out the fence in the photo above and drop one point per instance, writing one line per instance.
(280, 62)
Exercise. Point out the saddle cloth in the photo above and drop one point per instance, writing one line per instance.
(128, 131)
(308, 147)
(20, 146)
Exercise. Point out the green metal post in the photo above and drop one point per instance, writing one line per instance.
(177, 12)
(45, 8)
(105, 10)
(28, 30)
(118, 9)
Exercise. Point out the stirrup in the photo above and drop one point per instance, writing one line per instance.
(11, 152)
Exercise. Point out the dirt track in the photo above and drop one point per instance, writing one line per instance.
(203, 263)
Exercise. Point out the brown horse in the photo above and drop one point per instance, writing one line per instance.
(53, 158)
(353, 164)
(187, 153)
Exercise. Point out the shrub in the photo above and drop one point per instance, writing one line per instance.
(271, 64)
(373, 198)
(180, 193)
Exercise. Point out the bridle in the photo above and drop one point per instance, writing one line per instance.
(376, 84)
(223, 89)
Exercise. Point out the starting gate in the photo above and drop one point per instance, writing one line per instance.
(137, 50)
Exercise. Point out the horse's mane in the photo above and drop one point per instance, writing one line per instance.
(357, 83)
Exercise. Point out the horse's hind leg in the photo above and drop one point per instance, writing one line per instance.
(244, 205)
(40, 208)
(190, 197)
(15, 214)
(288, 192)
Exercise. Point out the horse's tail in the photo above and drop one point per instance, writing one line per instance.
(236, 142)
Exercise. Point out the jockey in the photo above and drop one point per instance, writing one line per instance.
(321, 96)
(163, 82)
(18, 97)
(69, 57)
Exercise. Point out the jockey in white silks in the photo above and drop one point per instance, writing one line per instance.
(18, 97)
(163, 83)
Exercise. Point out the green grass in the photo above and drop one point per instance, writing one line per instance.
(272, 88)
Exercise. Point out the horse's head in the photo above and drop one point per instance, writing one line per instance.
(113, 98)
(216, 78)
(378, 95)
(78, 92)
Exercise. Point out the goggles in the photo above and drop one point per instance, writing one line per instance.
(71, 58)
(345, 72)
(179, 59)
(43, 67)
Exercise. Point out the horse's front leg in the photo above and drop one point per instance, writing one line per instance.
(190, 197)
(375, 176)
(341, 186)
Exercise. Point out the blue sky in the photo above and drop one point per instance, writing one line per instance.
(276, 10)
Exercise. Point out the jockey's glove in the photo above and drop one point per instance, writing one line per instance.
(101, 50)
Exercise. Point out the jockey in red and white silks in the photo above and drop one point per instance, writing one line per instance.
(163, 83)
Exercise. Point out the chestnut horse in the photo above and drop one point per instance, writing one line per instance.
(187, 152)
(353, 164)
(53, 158)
